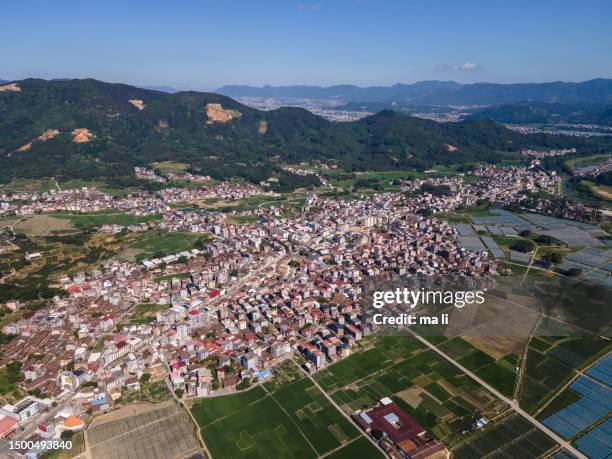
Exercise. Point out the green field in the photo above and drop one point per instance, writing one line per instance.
(153, 243)
(107, 217)
(144, 313)
(552, 361)
(169, 277)
(586, 160)
(151, 392)
(565, 398)
(293, 421)
(432, 390)
(170, 166)
(498, 373)
(360, 447)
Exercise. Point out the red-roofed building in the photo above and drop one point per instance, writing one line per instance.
(8, 425)
(400, 431)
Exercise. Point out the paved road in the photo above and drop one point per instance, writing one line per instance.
(333, 402)
(512, 403)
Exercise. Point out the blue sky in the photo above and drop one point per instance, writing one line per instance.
(204, 44)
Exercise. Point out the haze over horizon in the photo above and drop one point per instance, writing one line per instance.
(201, 44)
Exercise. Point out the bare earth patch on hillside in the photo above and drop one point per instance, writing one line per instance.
(217, 114)
(47, 135)
(263, 127)
(139, 104)
(12, 87)
(82, 135)
(25, 147)
(450, 148)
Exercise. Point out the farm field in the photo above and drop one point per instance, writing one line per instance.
(42, 225)
(511, 437)
(293, 419)
(553, 361)
(359, 447)
(144, 313)
(154, 392)
(430, 389)
(152, 243)
(500, 372)
(108, 217)
(594, 403)
(143, 431)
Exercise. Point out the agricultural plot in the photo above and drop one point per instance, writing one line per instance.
(360, 447)
(386, 352)
(602, 371)
(472, 243)
(553, 361)
(295, 420)
(500, 373)
(106, 217)
(463, 229)
(594, 263)
(572, 236)
(144, 313)
(257, 430)
(165, 242)
(207, 411)
(429, 388)
(143, 431)
(597, 443)
(594, 403)
(512, 437)
(495, 250)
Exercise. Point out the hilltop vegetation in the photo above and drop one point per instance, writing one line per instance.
(87, 129)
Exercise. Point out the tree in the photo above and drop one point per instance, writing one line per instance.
(201, 243)
(573, 272)
(144, 378)
(556, 257)
(179, 393)
(522, 245)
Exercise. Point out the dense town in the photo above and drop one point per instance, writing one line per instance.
(225, 315)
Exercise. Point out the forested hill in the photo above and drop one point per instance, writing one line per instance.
(87, 129)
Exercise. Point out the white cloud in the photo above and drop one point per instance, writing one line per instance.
(456, 67)
(309, 7)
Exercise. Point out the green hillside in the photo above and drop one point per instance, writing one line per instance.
(224, 139)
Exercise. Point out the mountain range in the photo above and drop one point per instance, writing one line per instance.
(91, 129)
(544, 113)
(440, 92)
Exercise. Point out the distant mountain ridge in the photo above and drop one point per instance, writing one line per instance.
(441, 92)
(91, 129)
(543, 113)
(168, 89)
